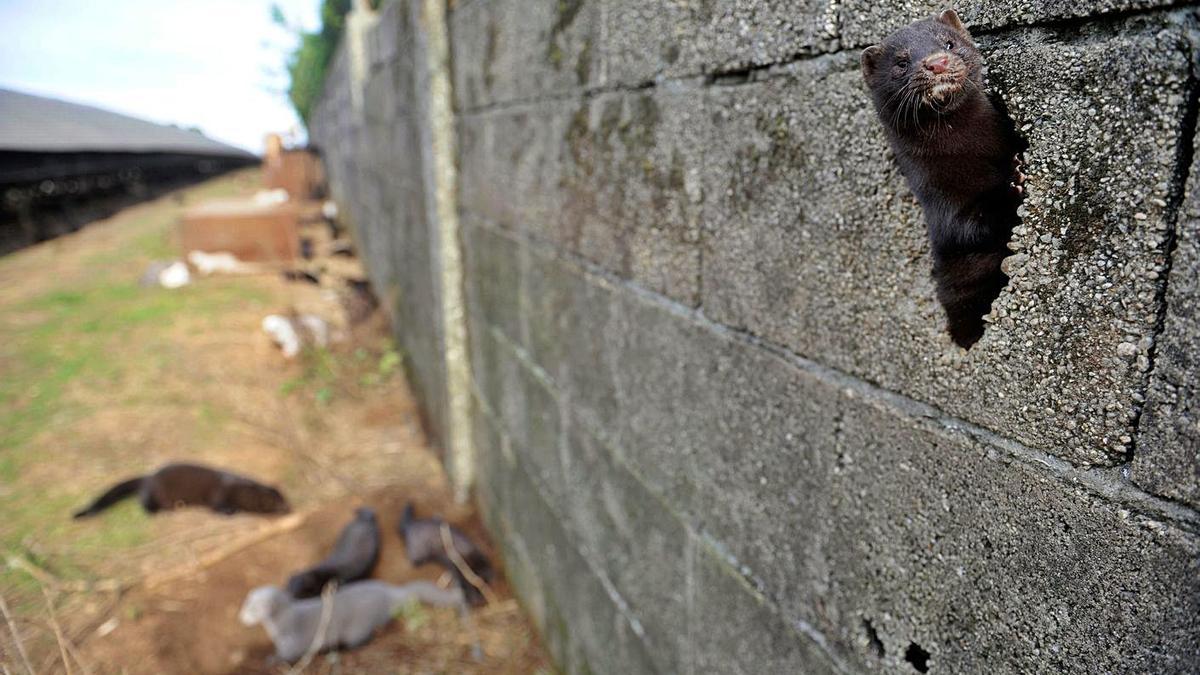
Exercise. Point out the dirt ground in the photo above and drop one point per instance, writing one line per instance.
(101, 379)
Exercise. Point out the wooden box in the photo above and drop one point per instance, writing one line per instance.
(252, 232)
(296, 171)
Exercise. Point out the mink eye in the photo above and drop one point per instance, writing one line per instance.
(902, 63)
(949, 45)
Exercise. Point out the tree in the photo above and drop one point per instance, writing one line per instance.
(307, 65)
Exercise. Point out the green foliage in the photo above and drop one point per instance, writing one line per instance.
(308, 64)
(389, 362)
(327, 374)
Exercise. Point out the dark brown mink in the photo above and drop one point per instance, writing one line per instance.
(176, 485)
(353, 558)
(960, 154)
(423, 543)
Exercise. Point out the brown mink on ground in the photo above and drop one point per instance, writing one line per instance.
(960, 154)
(177, 485)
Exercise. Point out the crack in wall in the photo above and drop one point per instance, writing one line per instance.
(1174, 215)
(742, 73)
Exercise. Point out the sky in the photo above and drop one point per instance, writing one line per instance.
(213, 64)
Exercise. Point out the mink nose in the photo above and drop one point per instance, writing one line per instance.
(937, 64)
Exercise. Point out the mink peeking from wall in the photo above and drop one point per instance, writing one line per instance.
(960, 154)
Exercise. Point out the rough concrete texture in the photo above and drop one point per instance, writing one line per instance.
(1167, 460)
(863, 21)
(376, 160)
(802, 190)
(585, 622)
(524, 50)
(645, 41)
(719, 425)
(614, 179)
(783, 187)
(837, 504)
(519, 50)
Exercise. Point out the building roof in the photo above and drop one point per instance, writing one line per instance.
(36, 124)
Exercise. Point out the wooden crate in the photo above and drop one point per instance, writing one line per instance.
(296, 171)
(250, 231)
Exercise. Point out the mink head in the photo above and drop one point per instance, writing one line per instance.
(927, 69)
(262, 603)
(256, 498)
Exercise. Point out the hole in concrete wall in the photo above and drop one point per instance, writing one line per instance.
(919, 658)
(873, 639)
(968, 274)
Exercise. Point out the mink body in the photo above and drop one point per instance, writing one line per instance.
(357, 611)
(176, 485)
(353, 558)
(423, 542)
(958, 151)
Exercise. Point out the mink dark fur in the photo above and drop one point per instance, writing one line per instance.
(177, 485)
(959, 152)
(353, 558)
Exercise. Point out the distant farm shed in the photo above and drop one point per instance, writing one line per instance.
(63, 164)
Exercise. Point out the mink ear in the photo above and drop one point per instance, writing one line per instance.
(870, 59)
(950, 18)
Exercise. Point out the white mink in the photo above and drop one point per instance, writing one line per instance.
(358, 610)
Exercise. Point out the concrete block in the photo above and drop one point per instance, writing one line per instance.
(510, 168)
(615, 179)
(862, 22)
(634, 540)
(631, 192)
(736, 632)
(645, 41)
(847, 506)
(1166, 460)
(978, 559)
(526, 409)
(563, 324)
(816, 244)
(537, 435)
(514, 50)
(568, 325)
(578, 617)
(492, 271)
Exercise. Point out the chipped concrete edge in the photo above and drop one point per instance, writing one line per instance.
(460, 444)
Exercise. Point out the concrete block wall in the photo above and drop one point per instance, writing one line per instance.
(718, 425)
(376, 152)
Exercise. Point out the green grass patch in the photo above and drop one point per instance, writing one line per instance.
(91, 337)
